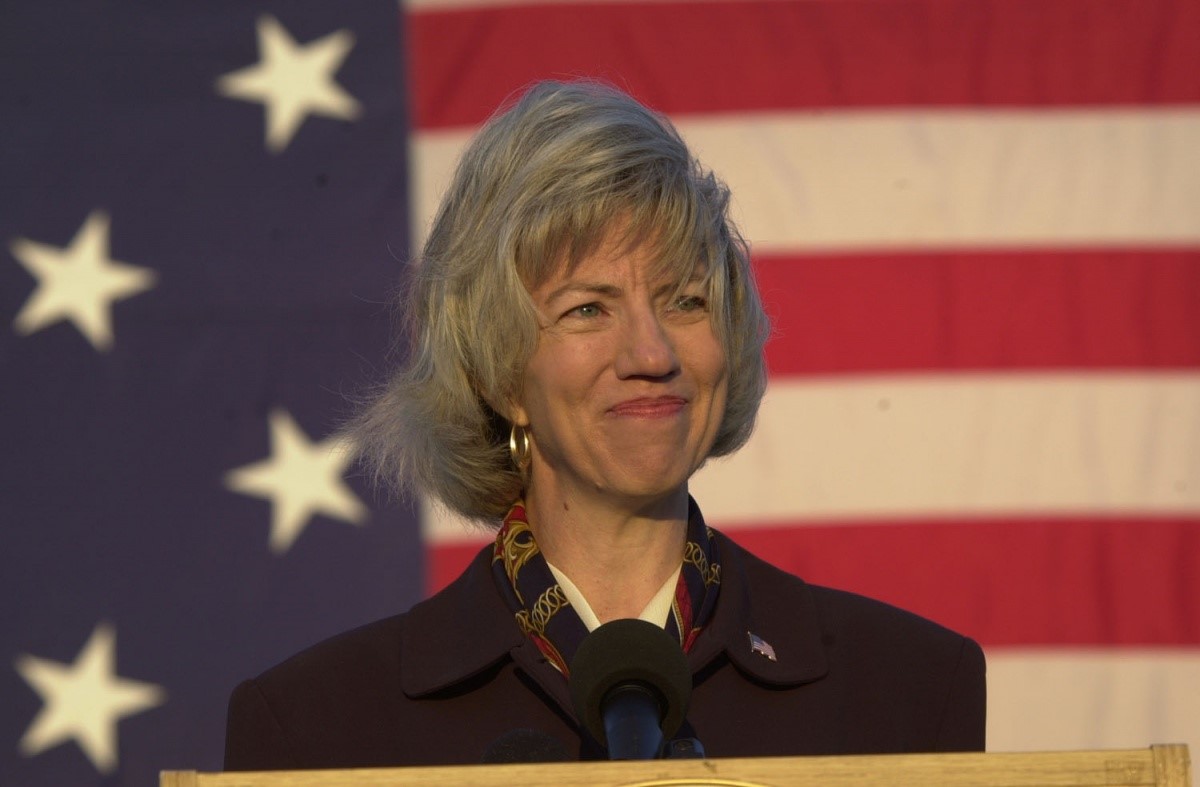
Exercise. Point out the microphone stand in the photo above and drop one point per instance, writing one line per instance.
(682, 749)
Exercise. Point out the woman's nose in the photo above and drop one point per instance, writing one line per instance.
(646, 348)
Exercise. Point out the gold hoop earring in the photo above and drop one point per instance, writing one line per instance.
(519, 448)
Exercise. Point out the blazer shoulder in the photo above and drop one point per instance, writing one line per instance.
(844, 613)
(935, 677)
(303, 712)
(372, 649)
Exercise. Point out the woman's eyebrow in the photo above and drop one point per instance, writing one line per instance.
(668, 286)
(591, 288)
(613, 291)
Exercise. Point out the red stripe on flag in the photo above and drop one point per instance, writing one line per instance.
(1027, 581)
(1114, 581)
(982, 310)
(752, 56)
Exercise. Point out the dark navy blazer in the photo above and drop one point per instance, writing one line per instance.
(439, 684)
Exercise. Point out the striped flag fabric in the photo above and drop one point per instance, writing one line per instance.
(976, 227)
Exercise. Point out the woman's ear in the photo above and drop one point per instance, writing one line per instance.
(516, 414)
(510, 409)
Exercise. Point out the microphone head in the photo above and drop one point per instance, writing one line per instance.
(623, 652)
(526, 745)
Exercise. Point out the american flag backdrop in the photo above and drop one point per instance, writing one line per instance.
(975, 223)
(976, 226)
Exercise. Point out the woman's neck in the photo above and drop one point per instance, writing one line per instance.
(618, 558)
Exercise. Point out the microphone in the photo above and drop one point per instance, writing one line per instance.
(630, 685)
(526, 745)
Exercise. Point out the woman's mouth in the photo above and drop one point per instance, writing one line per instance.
(649, 407)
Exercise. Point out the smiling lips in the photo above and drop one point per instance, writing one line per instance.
(649, 407)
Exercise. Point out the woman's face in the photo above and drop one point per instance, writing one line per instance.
(626, 390)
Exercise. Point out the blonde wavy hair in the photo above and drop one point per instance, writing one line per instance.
(544, 182)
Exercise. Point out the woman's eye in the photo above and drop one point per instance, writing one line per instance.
(690, 303)
(586, 310)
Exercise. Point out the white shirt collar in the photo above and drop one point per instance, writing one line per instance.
(656, 610)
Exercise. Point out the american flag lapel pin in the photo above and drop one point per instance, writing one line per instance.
(761, 647)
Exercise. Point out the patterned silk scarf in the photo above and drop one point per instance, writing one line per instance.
(544, 614)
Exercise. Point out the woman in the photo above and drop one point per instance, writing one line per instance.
(585, 334)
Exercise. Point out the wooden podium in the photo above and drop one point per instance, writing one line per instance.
(1158, 765)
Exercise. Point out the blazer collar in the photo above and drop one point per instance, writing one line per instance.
(458, 633)
(762, 612)
(466, 629)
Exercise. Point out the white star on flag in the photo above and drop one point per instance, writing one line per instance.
(84, 700)
(77, 283)
(293, 81)
(301, 478)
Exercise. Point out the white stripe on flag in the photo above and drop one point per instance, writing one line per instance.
(931, 178)
(963, 445)
(1068, 698)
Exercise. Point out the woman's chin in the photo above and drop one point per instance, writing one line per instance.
(648, 485)
(635, 476)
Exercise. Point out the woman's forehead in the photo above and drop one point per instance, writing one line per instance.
(627, 253)
(620, 269)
